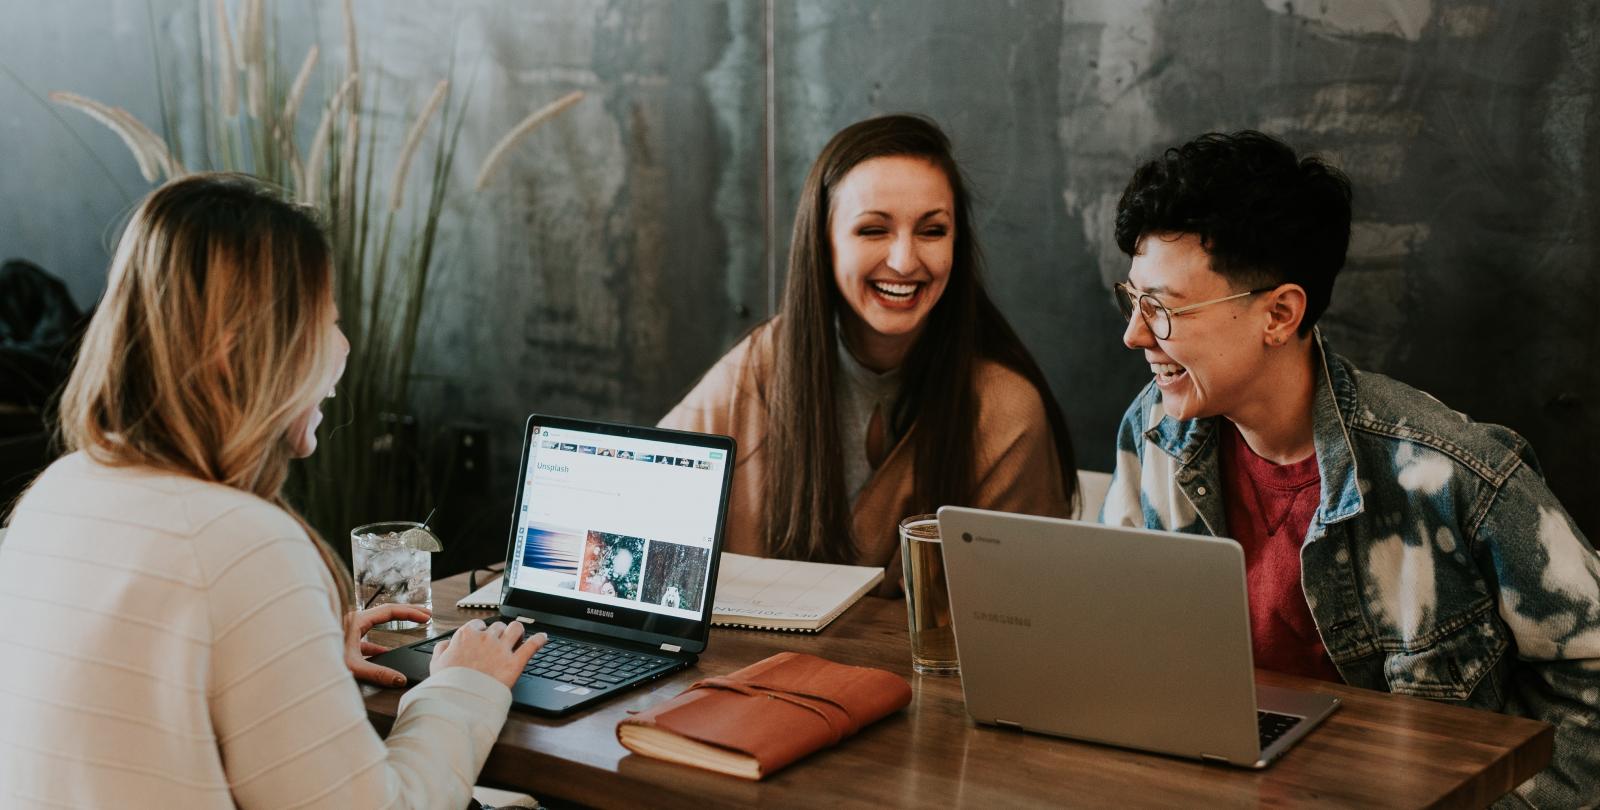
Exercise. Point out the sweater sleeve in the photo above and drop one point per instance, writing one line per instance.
(289, 720)
(1018, 467)
(709, 406)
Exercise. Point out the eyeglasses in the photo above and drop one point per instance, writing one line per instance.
(1156, 315)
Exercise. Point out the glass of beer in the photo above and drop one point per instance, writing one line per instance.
(933, 639)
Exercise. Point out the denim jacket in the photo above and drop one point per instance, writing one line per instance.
(1438, 564)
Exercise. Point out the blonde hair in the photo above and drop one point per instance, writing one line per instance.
(210, 343)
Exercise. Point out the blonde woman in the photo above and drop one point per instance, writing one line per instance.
(172, 628)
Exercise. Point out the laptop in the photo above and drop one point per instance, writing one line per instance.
(616, 536)
(1128, 637)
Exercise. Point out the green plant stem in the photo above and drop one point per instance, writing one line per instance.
(169, 121)
(367, 468)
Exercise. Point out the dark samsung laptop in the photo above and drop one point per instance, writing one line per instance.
(616, 536)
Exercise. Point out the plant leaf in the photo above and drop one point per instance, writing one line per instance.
(227, 65)
(312, 180)
(520, 131)
(397, 185)
(149, 164)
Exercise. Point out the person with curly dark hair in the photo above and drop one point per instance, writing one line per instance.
(1390, 542)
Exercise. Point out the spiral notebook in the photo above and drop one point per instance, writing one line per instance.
(762, 594)
(802, 597)
(485, 598)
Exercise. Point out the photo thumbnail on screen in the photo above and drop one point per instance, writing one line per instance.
(612, 565)
(675, 575)
(553, 549)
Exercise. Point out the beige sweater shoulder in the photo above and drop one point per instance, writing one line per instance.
(1016, 467)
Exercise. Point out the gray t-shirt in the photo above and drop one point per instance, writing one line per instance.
(859, 391)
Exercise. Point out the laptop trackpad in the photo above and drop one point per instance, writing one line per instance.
(412, 664)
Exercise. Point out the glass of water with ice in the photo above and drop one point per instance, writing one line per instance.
(393, 563)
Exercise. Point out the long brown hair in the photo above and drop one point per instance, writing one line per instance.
(210, 343)
(807, 509)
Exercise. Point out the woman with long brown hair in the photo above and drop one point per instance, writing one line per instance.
(172, 627)
(888, 384)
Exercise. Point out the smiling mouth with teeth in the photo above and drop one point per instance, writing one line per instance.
(895, 291)
(1167, 372)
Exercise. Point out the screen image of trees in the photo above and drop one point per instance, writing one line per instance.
(675, 575)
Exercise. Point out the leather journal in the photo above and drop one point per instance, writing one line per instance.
(757, 720)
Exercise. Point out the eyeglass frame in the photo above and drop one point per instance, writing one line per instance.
(1136, 296)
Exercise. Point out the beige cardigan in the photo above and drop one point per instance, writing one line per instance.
(1016, 466)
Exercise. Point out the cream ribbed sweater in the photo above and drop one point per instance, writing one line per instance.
(171, 643)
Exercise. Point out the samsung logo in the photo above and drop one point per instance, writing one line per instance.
(598, 612)
(1002, 618)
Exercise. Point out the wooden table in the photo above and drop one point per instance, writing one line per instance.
(1378, 750)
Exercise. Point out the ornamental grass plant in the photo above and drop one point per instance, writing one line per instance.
(368, 465)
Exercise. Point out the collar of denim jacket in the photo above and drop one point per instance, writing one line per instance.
(1183, 439)
(1336, 458)
(1191, 439)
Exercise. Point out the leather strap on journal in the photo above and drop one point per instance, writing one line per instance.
(837, 717)
(779, 709)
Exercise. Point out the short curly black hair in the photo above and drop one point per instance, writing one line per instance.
(1265, 215)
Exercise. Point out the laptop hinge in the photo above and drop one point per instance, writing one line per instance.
(672, 648)
(525, 619)
(1008, 724)
(1214, 758)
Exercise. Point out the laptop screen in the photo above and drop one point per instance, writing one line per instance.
(618, 527)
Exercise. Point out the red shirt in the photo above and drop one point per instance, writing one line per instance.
(1269, 512)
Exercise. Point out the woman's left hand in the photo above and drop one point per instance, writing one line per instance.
(357, 648)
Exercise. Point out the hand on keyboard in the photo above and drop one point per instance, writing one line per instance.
(492, 650)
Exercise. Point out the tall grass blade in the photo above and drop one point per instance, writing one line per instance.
(252, 44)
(169, 121)
(227, 63)
(397, 185)
(291, 111)
(105, 169)
(149, 165)
(520, 131)
(319, 143)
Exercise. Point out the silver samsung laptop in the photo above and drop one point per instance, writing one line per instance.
(1121, 636)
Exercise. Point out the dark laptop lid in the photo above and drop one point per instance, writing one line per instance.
(617, 530)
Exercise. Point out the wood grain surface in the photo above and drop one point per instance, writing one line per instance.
(1378, 750)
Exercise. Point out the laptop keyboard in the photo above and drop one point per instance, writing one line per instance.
(592, 665)
(581, 665)
(1273, 725)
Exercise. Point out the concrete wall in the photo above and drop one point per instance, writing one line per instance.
(634, 240)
